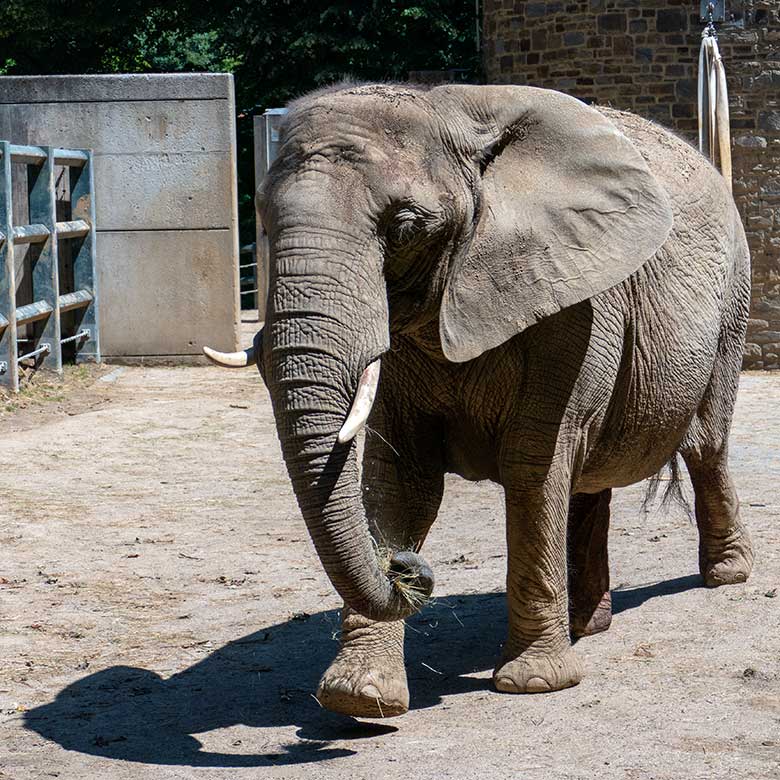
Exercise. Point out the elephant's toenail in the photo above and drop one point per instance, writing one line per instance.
(537, 685)
(506, 685)
(371, 692)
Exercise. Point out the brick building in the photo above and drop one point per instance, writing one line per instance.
(643, 56)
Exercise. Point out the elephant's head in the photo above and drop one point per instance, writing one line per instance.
(393, 208)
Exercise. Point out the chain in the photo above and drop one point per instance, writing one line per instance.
(710, 31)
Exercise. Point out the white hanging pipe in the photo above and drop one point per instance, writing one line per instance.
(714, 130)
(723, 122)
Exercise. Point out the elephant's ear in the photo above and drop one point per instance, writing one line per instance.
(567, 208)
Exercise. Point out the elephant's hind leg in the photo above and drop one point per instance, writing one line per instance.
(590, 602)
(725, 549)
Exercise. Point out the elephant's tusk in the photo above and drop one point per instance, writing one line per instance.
(230, 359)
(361, 406)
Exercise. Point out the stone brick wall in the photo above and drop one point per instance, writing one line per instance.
(643, 56)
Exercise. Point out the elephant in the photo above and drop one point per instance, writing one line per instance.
(556, 297)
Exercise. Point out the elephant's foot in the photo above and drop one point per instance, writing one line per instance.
(364, 689)
(538, 673)
(367, 679)
(727, 559)
(592, 621)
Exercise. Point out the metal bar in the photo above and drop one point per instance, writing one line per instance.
(33, 312)
(31, 234)
(35, 155)
(45, 272)
(9, 377)
(45, 348)
(73, 229)
(248, 265)
(31, 155)
(73, 158)
(82, 334)
(82, 198)
(75, 300)
(248, 292)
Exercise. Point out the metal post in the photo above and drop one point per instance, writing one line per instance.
(261, 243)
(9, 371)
(256, 280)
(267, 143)
(45, 271)
(82, 198)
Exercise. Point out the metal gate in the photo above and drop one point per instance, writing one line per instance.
(52, 296)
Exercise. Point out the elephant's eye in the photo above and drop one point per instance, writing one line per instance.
(407, 227)
(403, 228)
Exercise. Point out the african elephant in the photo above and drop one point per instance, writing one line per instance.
(558, 295)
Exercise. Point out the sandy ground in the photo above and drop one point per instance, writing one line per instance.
(163, 615)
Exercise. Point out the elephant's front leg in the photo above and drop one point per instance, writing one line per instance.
(538, 655)
(401, 494)
(367, 679)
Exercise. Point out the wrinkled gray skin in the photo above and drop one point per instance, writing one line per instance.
(558, 296)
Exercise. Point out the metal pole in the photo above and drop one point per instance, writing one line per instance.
(9, 370)
(82, 334)
(82, 198)
(45, 349)
(45, 272)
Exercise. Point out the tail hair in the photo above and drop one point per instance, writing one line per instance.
(673, 494)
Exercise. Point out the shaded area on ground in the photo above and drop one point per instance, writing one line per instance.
(135, 715)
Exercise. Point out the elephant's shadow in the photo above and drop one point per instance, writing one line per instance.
(267, 679)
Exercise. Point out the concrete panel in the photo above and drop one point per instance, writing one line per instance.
(122, 128)
(175, 295)
(164, 191)
(125, 86)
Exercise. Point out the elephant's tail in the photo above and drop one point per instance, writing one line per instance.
(673, 493)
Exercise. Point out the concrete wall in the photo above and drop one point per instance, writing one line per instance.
(165, 189)
(643, 57)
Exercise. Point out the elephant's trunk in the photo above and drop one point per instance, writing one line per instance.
(327, 322)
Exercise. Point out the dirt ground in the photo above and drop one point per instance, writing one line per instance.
(163, 614)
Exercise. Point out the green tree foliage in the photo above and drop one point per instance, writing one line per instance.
(110, 36)
(277, 49)
(296, 46)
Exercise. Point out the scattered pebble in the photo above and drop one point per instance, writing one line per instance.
(644, 651)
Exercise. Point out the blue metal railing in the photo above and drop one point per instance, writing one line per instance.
(49, 302)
